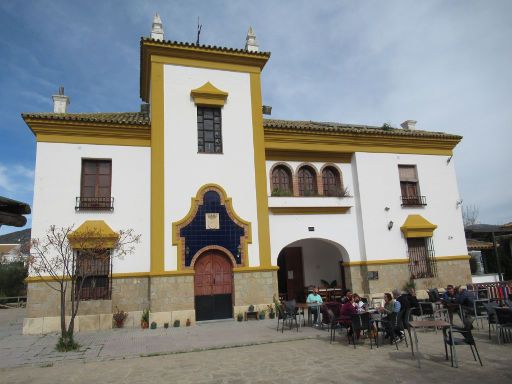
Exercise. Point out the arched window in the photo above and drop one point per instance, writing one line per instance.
(307, 181)
(281, 181)
(332, 182)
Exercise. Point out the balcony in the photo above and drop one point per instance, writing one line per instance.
(414, 201)
(94, 204)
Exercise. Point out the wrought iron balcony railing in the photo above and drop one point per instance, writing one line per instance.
(414, 201)
(94, 204)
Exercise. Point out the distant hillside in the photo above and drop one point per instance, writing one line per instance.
(17, 237)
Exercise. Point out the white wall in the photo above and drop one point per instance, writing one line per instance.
(57, 184)
(379, 187)
(186, 170)
(339, 228)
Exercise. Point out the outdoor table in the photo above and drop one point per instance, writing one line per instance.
(430, 324)
(308, 306)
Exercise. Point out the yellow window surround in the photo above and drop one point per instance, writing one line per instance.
(209, 95)
(417, 226)
(93, 234)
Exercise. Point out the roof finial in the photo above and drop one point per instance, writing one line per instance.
(251, 44)
(157, 30)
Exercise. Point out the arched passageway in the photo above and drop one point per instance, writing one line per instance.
(309, 262)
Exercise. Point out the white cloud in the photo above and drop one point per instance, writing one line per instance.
(16, 181)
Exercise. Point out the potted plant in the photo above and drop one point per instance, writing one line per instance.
(240, 316)
(261, 314)
(144, 320)
(271, 312)
(166, 325)
(188, 323)
(176, 323)
(153, 325)
(119, 317)
(251, 308)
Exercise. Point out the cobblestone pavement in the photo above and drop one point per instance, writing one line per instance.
(306, 357)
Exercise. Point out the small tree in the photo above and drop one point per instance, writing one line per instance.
(470, 214)
(61, 257)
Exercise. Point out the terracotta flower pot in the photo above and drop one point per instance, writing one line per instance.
(144, 324)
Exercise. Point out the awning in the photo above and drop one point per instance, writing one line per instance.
(417, 226)
(93, 234)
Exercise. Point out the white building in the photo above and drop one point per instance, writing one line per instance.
(234, 208)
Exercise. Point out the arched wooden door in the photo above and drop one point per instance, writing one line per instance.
(213, 287)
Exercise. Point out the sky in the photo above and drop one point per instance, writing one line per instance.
(446, 64)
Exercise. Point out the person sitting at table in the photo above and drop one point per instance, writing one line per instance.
(358, 303)
(347, 296)
(314, 297)
(390, 306)
(347, 310)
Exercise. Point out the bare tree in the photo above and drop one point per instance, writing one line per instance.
(470, 214)
(63, 260)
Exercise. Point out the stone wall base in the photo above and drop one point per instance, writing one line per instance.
(396, 275)
(169, 298)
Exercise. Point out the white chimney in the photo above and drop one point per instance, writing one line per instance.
(60, 102)
(251, 44)
(157, 30)
(409, 124)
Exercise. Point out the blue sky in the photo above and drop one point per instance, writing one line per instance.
(446, 64)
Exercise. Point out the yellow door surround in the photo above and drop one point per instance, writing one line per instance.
(417, 226)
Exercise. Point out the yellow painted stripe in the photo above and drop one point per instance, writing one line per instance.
(157, 168)
(260, 171)
(308, 210)
(403, 261)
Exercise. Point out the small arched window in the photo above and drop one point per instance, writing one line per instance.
(307, 181)
(281, 181)
(332, 182)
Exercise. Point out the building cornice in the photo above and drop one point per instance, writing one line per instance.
(89, 132)
(197, 56)
(338, 142)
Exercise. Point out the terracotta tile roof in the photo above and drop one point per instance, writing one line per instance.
(129, 118)
(315, 126)
(476, 245)
(170, 43)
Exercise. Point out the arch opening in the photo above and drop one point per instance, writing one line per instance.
(311, 262)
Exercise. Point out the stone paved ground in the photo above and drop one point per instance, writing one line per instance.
(306, 357)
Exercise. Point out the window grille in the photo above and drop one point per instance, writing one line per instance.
(209, 130)
(93, 274)
(422, 263)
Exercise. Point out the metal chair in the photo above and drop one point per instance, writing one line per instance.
(491, 314)
(467, 338)
(361, 322)
(503, 323)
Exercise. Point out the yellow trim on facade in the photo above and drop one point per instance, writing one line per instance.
(308, 210)
(157, 169)
(340, 142)
(417, 226)
(93, 234)
(194, 57)
(255, 269)
(75, 132)
(125, 275)
(296, 155)
(403, 261)
(209, 95)
(260, 171)
(194, 206)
